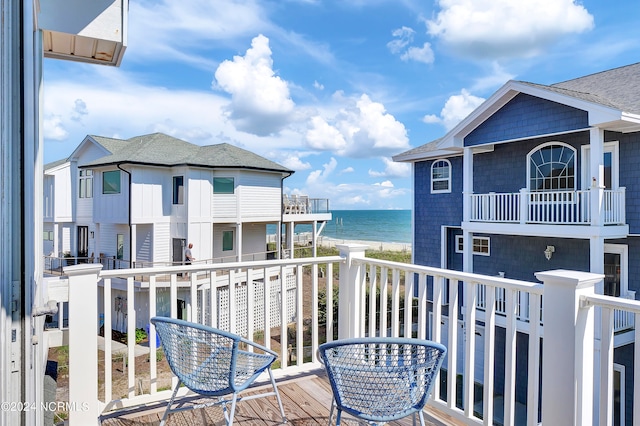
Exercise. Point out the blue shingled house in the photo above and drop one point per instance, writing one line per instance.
(540, 177)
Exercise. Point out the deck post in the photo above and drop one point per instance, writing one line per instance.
(350, 308)
(567, 356)
(83, 343)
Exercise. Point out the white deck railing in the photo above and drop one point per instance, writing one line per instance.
(549, 207)
(377, 298)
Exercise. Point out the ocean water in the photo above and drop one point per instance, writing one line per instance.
(390, 226)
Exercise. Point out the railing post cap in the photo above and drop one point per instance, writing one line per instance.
(576, 279)
(82, 269)
(351, 248)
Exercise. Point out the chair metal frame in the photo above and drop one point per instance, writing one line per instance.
(381, 379)
(213, 363)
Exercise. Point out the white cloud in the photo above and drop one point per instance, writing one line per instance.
(169, 30)
(79, 110)
(294, 162)
(360, 128)
(318, 177)
(347, 170)
(386, 184)
(506, 28)
(260, 100)
(455, 109)
(431, 119)
(392, 169)
(318, 85)
(323, 136)
(496, 78)
(404, 36)
(419, 54)
(53, 128)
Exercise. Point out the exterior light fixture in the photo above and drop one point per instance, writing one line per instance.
(549, 252)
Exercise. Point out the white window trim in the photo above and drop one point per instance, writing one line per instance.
(623, 251)
(621, 369)
(544, 145)
(431, 180)
(459, 241)
(585, 155)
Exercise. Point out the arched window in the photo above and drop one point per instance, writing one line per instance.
(552, 166)
(441, 176)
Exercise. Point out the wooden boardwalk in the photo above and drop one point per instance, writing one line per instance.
(306, 401)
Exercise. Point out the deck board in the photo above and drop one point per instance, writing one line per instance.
(306, 401)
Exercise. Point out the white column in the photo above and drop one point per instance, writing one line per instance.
(596, 266)
(134, 243)
(567, 357)
(83, 343)
(290, 228)
(239, 242)
(350, 291)
(596, 159)
(467, 183)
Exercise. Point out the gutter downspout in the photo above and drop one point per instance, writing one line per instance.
(129, 217)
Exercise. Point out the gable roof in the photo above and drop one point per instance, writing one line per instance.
(159, 149)
(611, 98)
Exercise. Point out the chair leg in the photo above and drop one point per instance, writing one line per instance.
(234, 400)
(333, 401)
(421, 418)
(166, 412)
(275, 390)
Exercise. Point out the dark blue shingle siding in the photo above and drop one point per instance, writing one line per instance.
(432, 211)
(527, 116)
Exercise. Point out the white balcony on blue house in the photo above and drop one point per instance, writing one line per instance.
(282, 304)
(528, 210)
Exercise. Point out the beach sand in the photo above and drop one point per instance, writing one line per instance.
(373, 245)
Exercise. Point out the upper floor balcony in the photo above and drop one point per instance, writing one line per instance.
(302, 204)
(293, 305)
(591, 207)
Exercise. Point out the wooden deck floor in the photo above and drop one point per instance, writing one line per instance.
(306, 401)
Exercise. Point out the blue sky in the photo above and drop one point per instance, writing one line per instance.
(330, 89)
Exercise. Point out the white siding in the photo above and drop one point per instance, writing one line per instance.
(218, 254)
(161, 242)
(108, 240)
(200, 236)
(150, 194)
(111, 208)
(199, 191)
(259, 196)
(64, 195)
(144, 243)
(84, 208)
(224, 207)
(254, 245)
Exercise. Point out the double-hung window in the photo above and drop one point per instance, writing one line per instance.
(440, 176)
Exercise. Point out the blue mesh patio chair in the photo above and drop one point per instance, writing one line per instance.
(381, 379)
(213, 363)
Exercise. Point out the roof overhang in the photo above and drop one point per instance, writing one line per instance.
(601, 116)
(92, 31)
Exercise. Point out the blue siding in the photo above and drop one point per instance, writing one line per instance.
(432, 211)
(527, 116)
(523, 263)
(505, 169)
(630, 176)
